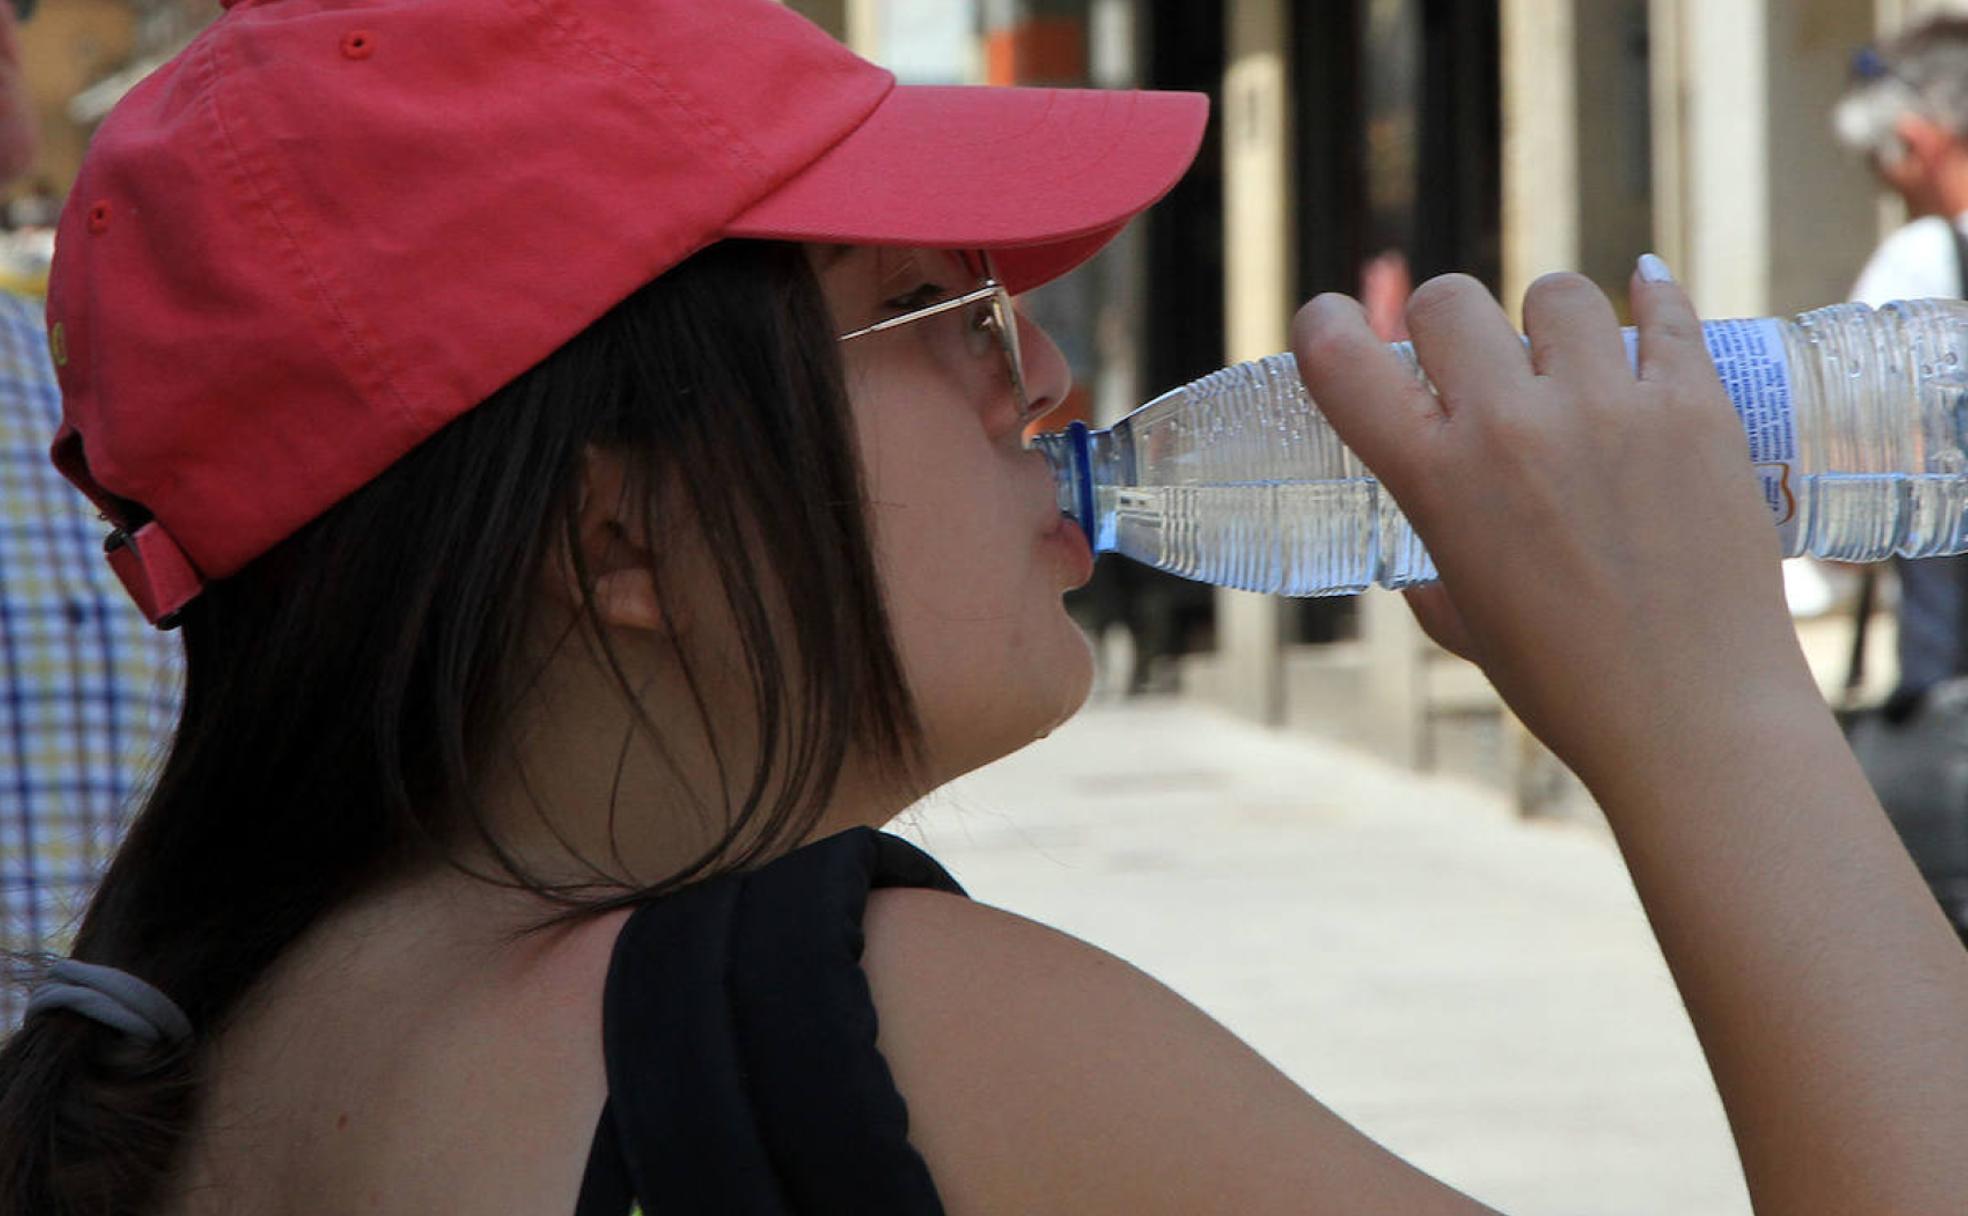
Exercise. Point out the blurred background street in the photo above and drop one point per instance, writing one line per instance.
(1474, 987)
(1476, 991)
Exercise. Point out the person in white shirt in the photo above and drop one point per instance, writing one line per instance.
(1907, 113)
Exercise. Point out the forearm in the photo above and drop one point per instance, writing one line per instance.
(1829, 993)
(1607, 560)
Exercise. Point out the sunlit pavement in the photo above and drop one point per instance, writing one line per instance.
(1478, 993)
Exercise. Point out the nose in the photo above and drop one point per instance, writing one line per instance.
(1048, 377)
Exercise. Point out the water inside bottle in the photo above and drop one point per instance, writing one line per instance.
(1237, 480)
(1303, 537)
(1862, 517)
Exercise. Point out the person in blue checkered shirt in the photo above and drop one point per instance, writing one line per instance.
(88, 691)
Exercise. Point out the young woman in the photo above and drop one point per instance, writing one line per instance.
(580, 447)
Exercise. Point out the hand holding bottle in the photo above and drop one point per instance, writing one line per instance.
(1607, 558)
(1603, 549)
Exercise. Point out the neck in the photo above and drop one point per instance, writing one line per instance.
(593, 789)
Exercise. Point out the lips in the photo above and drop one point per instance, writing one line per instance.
(1068, 545)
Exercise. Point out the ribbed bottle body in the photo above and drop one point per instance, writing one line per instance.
(1882, 401)
(1238, 480)
(1856, 421)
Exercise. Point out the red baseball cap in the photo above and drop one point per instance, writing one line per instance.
(329, 227)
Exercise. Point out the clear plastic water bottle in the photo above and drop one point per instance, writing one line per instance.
(1857, 422)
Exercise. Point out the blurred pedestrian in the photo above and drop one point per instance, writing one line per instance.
(1386, 282)
(1906, 111)
(87, 688)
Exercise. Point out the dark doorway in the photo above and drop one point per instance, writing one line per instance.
(1399, 164)
(1185, 50)
(1397, 126)
(1399, 129)
(1181, 47)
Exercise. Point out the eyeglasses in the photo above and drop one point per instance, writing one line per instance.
(989, 321)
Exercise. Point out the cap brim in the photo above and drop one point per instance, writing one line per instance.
(1041, 177)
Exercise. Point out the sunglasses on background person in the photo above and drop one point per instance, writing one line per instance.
(1882, 90)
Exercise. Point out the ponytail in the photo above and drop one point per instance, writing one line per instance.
(91, 1116)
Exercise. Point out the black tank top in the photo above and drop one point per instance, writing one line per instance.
(739, 1036)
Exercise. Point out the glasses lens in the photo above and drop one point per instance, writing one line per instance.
(1004, 326)
(991, 343)
(980, 324)
(974, 330)
(989, 335)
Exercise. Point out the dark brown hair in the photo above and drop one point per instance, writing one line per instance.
(344, 691)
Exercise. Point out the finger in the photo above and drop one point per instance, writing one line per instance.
(1435, 611)
(1574, 333)
(1671, 346)
(1374, 403)
(1466, 344)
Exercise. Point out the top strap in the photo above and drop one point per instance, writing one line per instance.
(739, 1033)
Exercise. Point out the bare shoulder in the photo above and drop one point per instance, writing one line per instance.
(406, 1060)
(1045, 1075)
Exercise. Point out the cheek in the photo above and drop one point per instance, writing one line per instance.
(990, 653)
(953, 558)
(941, 506)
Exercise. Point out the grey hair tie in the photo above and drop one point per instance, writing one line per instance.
(115, 998)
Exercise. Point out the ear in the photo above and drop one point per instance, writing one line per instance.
(1926, 140)
(611, 522)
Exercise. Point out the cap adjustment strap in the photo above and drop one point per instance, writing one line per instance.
(156, 573)
(154, 569)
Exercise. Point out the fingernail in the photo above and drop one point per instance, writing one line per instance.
(1653, 270)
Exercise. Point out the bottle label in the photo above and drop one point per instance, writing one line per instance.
(1755, 370)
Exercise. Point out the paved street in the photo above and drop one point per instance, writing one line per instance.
(1479, 994)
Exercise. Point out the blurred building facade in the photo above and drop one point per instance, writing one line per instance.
(1364, 145)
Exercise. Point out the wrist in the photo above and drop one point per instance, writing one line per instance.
(1754, 735)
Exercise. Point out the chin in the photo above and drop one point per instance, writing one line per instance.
(1025, 711)
(1066, 683)
(1075, 679)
